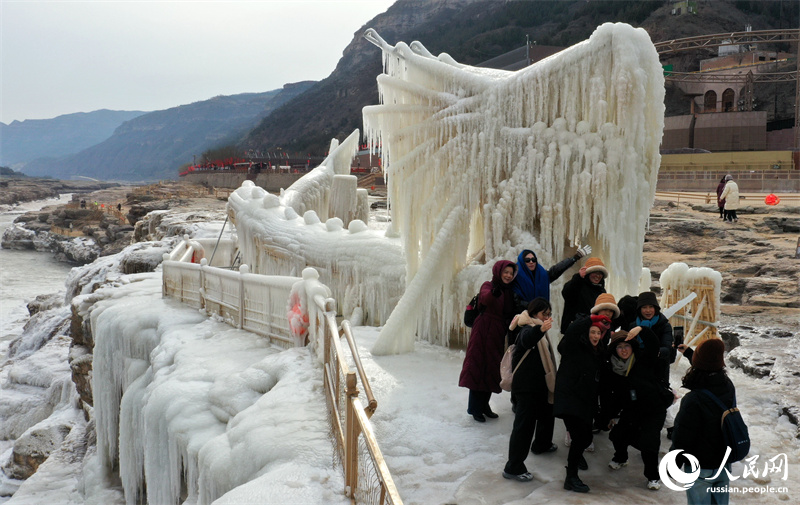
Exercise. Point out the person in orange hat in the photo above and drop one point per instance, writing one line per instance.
(582, 290)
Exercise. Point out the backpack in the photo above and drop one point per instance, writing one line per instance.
(472, 311)
(506, 372)
(734, 430)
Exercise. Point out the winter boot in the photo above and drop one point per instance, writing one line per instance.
(573, 482)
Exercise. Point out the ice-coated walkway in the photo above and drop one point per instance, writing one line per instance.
(438, 454)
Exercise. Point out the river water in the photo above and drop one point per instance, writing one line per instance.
(25, 274)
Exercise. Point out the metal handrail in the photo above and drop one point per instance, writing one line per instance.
(372, 403)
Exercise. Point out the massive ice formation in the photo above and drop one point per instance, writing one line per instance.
(563, 152)
(282, 236)
(480, 163)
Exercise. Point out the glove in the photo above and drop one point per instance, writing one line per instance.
(583, 251)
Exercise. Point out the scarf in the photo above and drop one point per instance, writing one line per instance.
(621, 366)
(647, 323)
(546, 353)
(529, 285)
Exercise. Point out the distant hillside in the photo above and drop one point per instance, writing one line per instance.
(154, 145)
(23, 141)
(473, 31)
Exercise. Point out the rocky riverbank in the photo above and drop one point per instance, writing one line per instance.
(17, 190)
(105, 223)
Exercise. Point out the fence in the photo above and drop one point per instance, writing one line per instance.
(752, 199)
(259, 303)
(366, 476)
(256, 303)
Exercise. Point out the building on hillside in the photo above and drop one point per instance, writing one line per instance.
(682, 7)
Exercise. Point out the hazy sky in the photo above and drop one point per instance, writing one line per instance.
(63, 56)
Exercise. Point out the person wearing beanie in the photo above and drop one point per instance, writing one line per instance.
(582, 352)
(480, 372)
(533, 281)
(731, 196)
(698, 430)
(582, 290)
(633, 400)
(648, 315)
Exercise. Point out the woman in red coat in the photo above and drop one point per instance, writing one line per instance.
(481, 370)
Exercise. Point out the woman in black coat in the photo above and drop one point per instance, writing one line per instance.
(582, 353)
(698, 430)
(534, 409)
(581, 292)
(631, 391)
(648, 315)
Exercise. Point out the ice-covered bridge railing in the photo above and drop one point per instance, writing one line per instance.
(294, 311)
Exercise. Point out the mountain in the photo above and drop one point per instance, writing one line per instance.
(154, 145)
(305, 116)
(23, 141)
(473, 31)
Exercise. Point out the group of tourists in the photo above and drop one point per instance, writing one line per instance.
(728, 199)
(613, 373)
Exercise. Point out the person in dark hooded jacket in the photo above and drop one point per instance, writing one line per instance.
(634, 400)
(698, 429)
(582, 353)
(480, 372)
(533, 281)
(582, 290)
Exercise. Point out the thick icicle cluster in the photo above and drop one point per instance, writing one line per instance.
(561, 153)
(282, 236)
(681, 280)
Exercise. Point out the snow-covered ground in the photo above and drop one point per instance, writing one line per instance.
(249, 422)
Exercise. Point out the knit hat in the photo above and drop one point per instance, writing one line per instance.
(605, 301)
(595, 265)
(708, 355)
(729, 177)
(648, 298)
(601, 322)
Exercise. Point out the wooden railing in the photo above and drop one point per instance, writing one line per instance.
(366, 475)
(259, 304)
(787, 199)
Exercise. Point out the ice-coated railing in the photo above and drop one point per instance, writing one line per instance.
(256, 303)
(218, 252)
(366, 475)
(259, 303)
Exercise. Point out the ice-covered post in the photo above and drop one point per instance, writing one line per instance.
(343, 197)
(303, 312)
(243, 269)
(362, 205)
